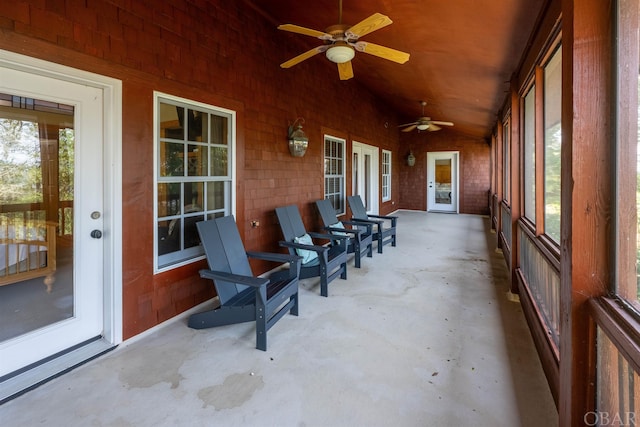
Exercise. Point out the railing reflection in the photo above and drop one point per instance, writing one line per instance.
(26, 213)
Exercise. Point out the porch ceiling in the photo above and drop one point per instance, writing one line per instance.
(463, 52)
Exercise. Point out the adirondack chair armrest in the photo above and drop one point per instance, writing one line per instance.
(368, 221)
(294, 261)
(391, 218)
(359, 224)
(331, 237)
(254, 282)
(344, 230)
(315, 248)
(275, 257)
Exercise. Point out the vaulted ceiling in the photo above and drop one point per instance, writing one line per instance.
(462, 52)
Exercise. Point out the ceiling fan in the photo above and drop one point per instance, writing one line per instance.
(341, 42)
(424, 123)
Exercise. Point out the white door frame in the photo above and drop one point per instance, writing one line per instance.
(112, 176)
(432, 205)
(359, 181)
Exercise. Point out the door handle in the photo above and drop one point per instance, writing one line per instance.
(96, 234)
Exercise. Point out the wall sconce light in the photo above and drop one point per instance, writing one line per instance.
(298, 140)
(411, 159)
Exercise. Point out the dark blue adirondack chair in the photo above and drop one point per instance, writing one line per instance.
(360, 239)
(244, 297)
(326, 262)
(384, 235)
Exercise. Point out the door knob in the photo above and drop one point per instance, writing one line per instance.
(96, 234)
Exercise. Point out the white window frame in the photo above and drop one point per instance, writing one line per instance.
(386, 175)
(189, 255)
(334, 170)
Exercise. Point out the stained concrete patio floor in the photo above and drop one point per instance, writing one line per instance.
(421, 335)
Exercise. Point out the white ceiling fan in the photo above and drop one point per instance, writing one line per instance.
(424, 123)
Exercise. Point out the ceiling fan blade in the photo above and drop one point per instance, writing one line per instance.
(433, 127)
(345, 70)
(305, 31)
(410, 128)
(382, 52)
(308, 54)
(368, 25)
(441, 123)
(409, 124)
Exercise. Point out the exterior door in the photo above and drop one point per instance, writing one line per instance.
(442, 181)
(52, 195)
(365, 175)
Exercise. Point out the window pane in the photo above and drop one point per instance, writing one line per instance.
(219, 130)
(193, 197)
(168, 199)
(552, 144)
(197, 164)
(215, 195)
(506, 139)
(169, 236)
(638, 195)
(197, 125)
(171, 121)
(627, 167)
(219, 161)
(530, 154)
(171, 159)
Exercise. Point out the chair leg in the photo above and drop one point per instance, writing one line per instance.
(343, 266)
(356, 251)
(294, 309)
(261, 319)
(324, 283)
(380, 244)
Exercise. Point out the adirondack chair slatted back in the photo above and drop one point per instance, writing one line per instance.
(290, 222)
(357, 208)
(327, 212)
(225, 252)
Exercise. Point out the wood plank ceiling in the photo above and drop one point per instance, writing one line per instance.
(463, 52)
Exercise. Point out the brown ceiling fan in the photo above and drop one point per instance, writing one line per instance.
(424, 123)
(341, 42)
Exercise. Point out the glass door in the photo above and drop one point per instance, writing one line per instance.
(365, 175)
(442, 181)
(51, 250)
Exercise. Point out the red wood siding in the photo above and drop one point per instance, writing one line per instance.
(225, 54)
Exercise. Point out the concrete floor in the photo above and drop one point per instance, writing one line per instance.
(422, 335)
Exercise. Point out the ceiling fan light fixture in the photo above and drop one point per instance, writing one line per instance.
(423, 126)
(340, 53)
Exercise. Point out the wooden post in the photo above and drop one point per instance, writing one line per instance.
(587, 136)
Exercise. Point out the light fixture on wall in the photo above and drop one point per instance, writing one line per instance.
(411, 159)
(340, 52)
(298, 140)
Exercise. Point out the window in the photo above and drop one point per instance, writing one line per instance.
(386, 175)
(334, 172)
(193, 175)
(552, 144)
(529, 154)
(628, 161)
(506, 160)
(618, 318)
